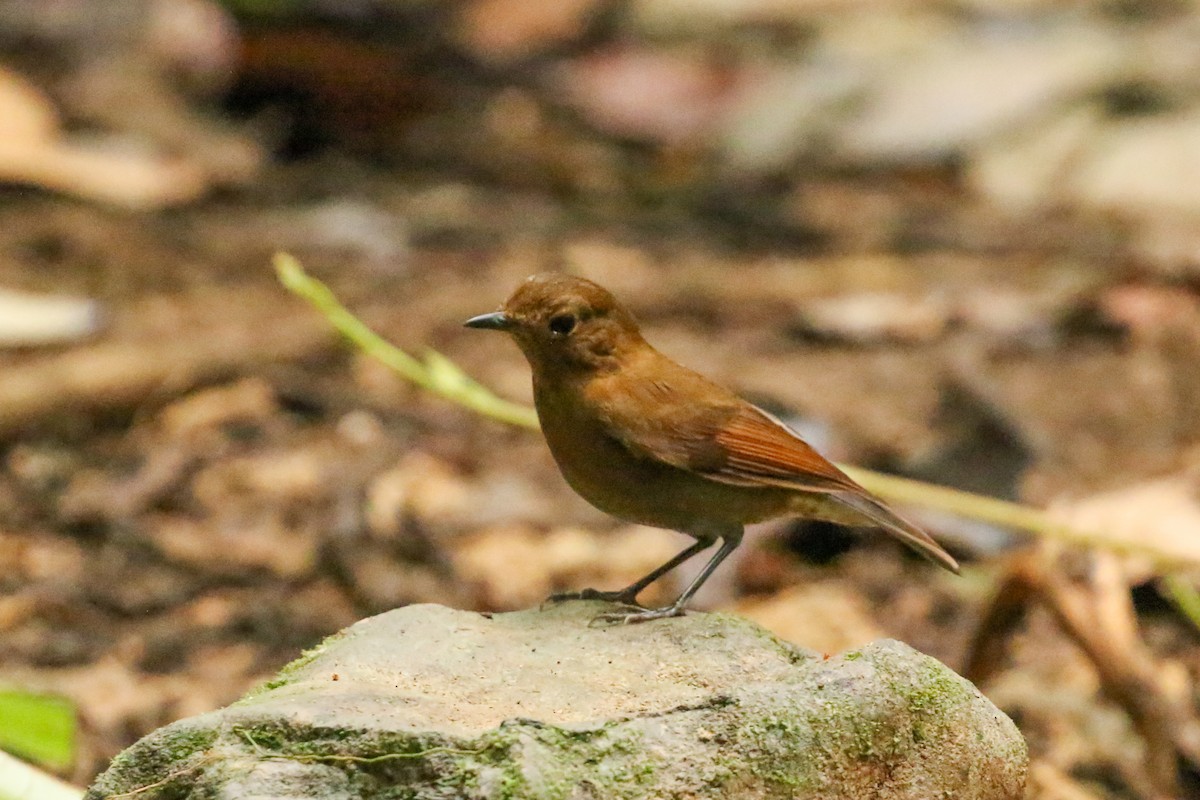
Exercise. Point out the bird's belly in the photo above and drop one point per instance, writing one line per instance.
(614, 480)
(666, 497)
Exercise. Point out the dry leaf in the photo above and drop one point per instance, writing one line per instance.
(647, 94)
(1159, 517)
(501, 31)
(34, 152)
(828, 617)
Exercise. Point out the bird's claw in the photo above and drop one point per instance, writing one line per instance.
(634, 617)
(623, 597)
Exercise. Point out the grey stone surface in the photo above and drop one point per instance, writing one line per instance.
(430, 703)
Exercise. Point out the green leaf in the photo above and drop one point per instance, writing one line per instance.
(38, 727)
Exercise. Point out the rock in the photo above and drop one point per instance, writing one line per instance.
(966, 88)
(1141, 169)
(1144, 168)
(1026, 171)
(428, 702)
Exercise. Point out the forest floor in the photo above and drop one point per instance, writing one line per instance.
(214, 481)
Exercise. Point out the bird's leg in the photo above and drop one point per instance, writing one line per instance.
(628, 595)
(729, 543)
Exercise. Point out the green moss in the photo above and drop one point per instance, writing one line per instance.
(176, 752)
(611, 763)
(291, 670)
(934, 689)
(790, 748)
(726, 621)
(610, 760)
(779, 746)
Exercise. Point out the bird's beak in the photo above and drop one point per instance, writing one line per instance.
(496, 321)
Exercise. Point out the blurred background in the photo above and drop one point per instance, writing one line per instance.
(957, 241)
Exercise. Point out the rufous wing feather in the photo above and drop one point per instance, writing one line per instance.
(673, 419)
(762, 450)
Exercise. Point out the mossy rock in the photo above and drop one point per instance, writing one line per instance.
(429, 703)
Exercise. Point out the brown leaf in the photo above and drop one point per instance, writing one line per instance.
(1159, 517)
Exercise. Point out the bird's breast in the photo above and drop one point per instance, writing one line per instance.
(613, 479)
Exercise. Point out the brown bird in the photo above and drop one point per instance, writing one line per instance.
(649, 441)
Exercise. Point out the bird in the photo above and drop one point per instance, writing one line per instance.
(649, 441)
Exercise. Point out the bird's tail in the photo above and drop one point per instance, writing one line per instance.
(897, 526)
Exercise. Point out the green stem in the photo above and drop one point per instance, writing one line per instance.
(436, 373)
(1183, 594)
(999, 512)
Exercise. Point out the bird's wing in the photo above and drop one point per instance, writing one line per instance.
(666, 418)
(731, 441)
(673, 415)
(760, 449)
(763, 450)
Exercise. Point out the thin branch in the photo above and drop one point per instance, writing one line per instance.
(1184, 596)
(1005, 514)
(435, 373)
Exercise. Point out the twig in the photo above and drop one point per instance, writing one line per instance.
(1094, 608)
(1007, 515)
(436, 373)
(1016, 590)
(171, 776)
(1098, 614)
(1184, 596)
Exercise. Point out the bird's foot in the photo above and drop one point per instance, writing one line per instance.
(634, 617)
(622, 596)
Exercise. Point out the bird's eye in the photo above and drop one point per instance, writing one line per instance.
(562, 324)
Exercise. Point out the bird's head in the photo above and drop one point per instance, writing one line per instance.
(563, 322)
